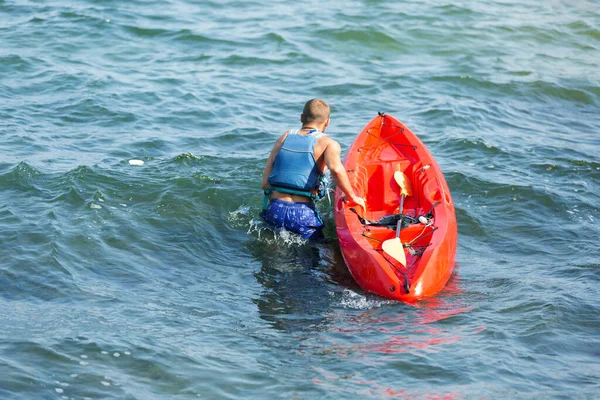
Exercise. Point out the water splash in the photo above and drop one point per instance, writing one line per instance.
(356, 301)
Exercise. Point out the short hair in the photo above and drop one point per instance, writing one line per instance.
(316, 110)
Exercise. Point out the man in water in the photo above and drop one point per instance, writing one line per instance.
(294, 176)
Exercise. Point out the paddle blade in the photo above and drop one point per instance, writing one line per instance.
(395, 249)
(403, 182)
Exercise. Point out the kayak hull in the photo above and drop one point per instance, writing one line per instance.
(384, 147)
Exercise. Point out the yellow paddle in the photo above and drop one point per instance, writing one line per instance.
(404, 184)
(394, 246)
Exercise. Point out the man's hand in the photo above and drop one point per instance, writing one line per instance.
(356, 200)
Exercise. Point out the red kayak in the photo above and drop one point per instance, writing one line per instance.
(391, 169)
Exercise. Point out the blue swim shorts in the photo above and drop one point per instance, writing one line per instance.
(300, 218)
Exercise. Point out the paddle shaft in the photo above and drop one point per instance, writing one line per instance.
(394, 246)
(399, 226)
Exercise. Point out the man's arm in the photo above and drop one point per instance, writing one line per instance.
(269, 167)
(333, 161)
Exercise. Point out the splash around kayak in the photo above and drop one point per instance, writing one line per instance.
(403, 246)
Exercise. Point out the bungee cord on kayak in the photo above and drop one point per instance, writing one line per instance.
(387, 139)
(391, 220)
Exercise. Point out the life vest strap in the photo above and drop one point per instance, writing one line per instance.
(272, 189)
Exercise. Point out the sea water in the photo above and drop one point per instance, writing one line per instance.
(133, 136)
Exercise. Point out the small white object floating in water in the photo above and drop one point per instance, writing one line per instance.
(136, 162)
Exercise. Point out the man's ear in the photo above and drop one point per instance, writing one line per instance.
(302, 118)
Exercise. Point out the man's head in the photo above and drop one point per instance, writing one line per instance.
(315, 112)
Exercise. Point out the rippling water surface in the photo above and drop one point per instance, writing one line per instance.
(158, 281)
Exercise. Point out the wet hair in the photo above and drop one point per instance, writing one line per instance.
(316, 110)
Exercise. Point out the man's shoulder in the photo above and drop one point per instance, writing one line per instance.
(283, 136)
(325, 139)
(327, 144)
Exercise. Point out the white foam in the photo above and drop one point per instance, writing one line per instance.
(268, 235)
(351, 299)
(136, 162)
(239, 217)
(242, 210)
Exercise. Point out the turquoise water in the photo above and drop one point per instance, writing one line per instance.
(159, 282)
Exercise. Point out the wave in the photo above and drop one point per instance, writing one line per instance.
(372, 37)
(540, 90)
(22, 64)
(21, 176)
(240, 60)
(178, 35)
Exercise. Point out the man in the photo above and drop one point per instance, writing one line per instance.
(293, 176)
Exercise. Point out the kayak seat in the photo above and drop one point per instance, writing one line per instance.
(378, 187)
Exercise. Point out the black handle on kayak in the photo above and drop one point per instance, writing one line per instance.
(406, 284)
(361, 219)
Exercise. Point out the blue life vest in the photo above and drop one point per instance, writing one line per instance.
(295, 169)
(295, 166)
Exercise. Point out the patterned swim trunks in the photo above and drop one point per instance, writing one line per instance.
(300, 218)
